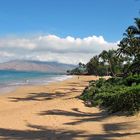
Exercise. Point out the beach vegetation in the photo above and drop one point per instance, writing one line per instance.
(121, 92)
(115, 94)
(80, 70)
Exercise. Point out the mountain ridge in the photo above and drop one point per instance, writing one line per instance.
(32, 65)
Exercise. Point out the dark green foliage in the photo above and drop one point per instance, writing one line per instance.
(132, 80)
(90, 91)
(100, 82)
(121, 62)
(80, 70)
(130, 46)
(122, 99)
(106, 63)
(115, 81)
(116, 94)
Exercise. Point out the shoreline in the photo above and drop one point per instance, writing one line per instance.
(12, 88)
(53, 111)
(8, 89)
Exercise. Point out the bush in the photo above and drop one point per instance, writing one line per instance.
(124, 99)
(130, 99)
(135, 79)
(100, 82)
(116, 94)
(115, 80)
(87, 93)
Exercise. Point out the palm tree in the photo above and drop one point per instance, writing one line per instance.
(137, 26)
(109, 57)
(130, 45)
(92, 65)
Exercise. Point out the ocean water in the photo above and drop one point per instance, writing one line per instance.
(10, 79)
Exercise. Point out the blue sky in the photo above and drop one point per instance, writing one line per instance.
(78, 18)
(66, 31)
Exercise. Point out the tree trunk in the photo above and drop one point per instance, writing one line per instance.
(110, 65)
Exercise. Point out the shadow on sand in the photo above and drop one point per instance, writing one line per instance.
(38, 97)
(36, 132)
(42, 96)
(81, 117)
(44, 133)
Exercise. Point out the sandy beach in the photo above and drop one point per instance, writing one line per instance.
(53, 112)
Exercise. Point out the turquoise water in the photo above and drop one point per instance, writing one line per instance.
(10, 78)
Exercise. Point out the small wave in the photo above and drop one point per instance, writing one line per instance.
(9, 87)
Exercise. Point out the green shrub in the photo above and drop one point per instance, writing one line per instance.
(115, 81)
(87, 93)
(116, 94)
(100, 82)
(131, 99)
(135, 79)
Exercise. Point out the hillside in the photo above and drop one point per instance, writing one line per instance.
(24, 65)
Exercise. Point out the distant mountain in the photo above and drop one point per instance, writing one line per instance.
(25, 65)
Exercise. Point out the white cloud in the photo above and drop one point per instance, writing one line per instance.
(6, 54)
(17, 43)
(53, 48)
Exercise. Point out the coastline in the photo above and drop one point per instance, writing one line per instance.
(8, 89)
(53, 112)
(13, 87)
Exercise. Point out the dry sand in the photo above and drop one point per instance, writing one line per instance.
(53, 112)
